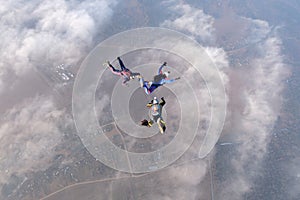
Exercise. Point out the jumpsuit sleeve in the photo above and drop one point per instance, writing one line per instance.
(160, 69)
(125, 81)
(167, 81)
(149, 105)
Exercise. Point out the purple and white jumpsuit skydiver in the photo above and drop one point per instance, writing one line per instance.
(159, 80)
(124, 72)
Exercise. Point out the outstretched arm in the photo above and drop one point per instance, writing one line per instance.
(145, 123)
(149, 105)
(164, 81)
(162, 102)
(161, 67)
(125, 81)
(168, 81)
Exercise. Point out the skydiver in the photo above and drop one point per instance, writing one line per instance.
(158, 80)
(124, 72)
(155, 114)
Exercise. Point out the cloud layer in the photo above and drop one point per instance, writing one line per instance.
(192, 21)
(29, 133)
(37, 35)
(60, 31)
(255, 119)
(38, 32)
(255, 105)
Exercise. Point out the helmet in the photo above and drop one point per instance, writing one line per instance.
(167, 73)
(155, 101)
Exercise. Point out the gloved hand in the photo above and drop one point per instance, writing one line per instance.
(144, 122)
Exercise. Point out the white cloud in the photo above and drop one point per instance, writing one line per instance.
(192, 21)
(294, 171)
(254, 93)
(257, 30)
(38, 32)
(34, 34)
(261, 100)
(29, 133)
(59, 31)
(176, 182)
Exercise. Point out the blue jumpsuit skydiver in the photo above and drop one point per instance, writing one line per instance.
(159, 80)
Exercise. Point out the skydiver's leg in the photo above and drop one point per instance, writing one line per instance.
(161, 67)
(161, 125)
(164, 127)
(162, 121)
(144, 85)
(123, 68)
(146, 90)
(142, 82)
(153, 87)
(114, 70)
